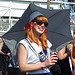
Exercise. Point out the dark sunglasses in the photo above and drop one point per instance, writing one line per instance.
(41, 22)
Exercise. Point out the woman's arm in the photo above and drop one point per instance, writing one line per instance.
(73, 59)
(61, 54)
(70, 47)
(22, 58)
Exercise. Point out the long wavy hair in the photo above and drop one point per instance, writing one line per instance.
(29, 34)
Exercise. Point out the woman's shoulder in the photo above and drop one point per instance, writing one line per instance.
(49, 43)
(24, 42)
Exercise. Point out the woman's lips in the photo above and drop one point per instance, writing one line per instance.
(40, 29)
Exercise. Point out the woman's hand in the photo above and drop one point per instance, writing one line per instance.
(8, 54)
(51, 60)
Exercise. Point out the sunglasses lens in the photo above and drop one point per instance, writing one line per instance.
(46, 24)
(40, 23)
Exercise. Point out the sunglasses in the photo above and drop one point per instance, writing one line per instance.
(41, 22)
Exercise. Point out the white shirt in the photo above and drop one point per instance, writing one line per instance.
(32, 58)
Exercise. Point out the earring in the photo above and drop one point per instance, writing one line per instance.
(46, 31)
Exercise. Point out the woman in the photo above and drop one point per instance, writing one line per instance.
(64, 59)
(34, 53)
(63, 65)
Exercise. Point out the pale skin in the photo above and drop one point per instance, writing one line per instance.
(61, 54)
(22, 54)
(70, 47)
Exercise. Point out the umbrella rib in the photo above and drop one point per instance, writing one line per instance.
(55, 13)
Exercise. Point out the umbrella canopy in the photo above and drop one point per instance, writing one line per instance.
(59, 32)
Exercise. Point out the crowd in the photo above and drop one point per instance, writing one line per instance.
(34, 54)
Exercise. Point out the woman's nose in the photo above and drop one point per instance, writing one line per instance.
(42, 24)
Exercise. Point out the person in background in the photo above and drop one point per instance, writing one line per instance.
(4, 57)
(71, 47)
(65, 59)
(6, 61)
(73, 52)
(34, 51)
(63, 65)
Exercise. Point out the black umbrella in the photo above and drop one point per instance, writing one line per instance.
(58, 28)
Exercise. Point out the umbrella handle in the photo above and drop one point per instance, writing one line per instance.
(51, 52)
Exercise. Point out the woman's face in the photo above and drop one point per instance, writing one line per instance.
(39, 26)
